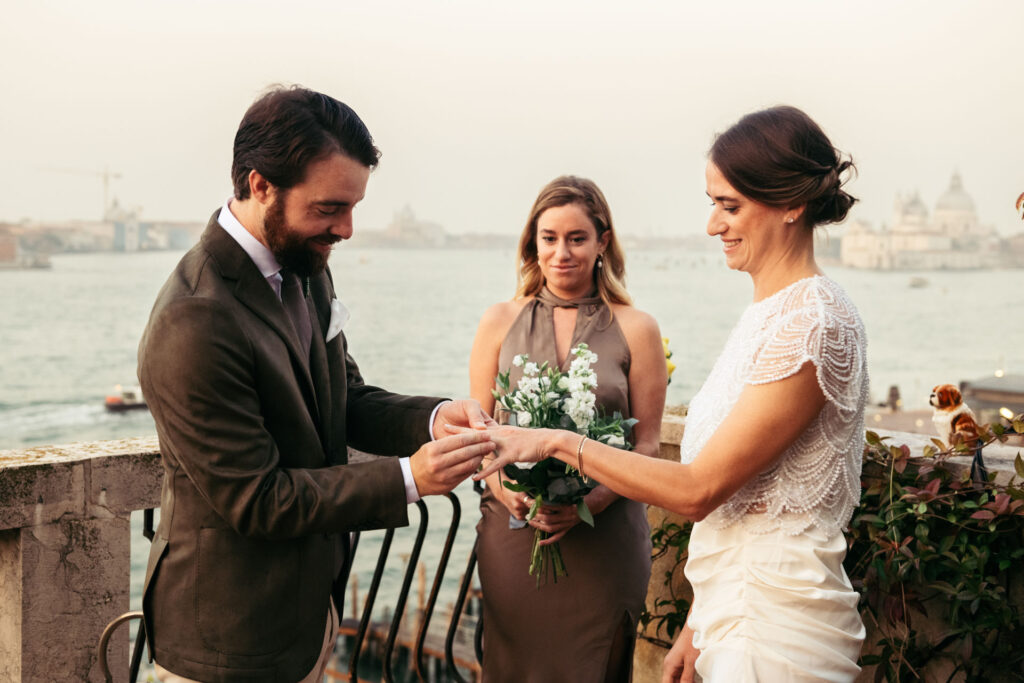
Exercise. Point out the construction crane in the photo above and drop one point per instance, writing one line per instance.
(106, 174)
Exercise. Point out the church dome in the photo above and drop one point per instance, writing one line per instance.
(955, 198)
(915, 208)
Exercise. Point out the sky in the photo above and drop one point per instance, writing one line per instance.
(477, 105)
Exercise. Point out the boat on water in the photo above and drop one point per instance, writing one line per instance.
(917, 282)
(125, 398)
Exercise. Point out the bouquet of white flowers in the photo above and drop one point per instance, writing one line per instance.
(545, 397)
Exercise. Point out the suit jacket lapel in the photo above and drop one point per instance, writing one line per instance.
(254, 292)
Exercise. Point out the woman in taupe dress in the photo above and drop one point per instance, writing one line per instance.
(571, 273)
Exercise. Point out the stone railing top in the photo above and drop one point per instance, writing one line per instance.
(74, 452)
(39, 485)
(100, 479)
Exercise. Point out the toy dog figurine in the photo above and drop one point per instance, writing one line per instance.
(955, 423)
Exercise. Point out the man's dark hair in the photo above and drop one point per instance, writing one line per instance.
(287, 128)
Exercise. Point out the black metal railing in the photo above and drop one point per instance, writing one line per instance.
(416, 656)
(366, 628)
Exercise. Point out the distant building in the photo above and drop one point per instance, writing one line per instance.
(405, 230)
(8, 247)
(14, 255)
(950, 238)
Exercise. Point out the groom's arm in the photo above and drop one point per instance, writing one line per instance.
(382, 422)
(386, 423)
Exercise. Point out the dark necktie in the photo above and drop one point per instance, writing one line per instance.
(295, 307)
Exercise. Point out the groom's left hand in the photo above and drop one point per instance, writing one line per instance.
(462, 413)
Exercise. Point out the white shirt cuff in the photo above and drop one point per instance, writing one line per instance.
(433, 414)
(412, 494)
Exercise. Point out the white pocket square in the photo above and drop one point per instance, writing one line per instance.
(339, 316)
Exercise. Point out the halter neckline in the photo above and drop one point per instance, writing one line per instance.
(547, 297)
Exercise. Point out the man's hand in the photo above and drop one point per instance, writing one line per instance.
(678, 666)
(438, 467)
(462, 413)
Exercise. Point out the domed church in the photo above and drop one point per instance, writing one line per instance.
(951, 237)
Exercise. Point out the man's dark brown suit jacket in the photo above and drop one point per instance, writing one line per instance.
(256, 495)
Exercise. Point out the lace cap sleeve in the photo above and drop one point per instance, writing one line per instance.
(823, 329)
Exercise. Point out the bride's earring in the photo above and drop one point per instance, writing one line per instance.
(600, 260)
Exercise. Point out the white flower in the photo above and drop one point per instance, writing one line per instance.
(580, 409)
(519, 360)
(580, 367)
(531, 369)
(563, 383)
(529, 385)
(523, 419)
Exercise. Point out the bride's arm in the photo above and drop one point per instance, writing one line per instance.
(648, 379)
(765, 421)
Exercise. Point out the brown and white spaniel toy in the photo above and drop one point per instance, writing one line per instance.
(952, 416)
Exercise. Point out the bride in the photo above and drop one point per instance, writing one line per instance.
(770, 466)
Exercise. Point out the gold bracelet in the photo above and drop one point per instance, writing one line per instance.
(579, 458)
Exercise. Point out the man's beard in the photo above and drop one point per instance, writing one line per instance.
(290, 250)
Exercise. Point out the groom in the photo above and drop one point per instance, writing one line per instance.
(256, 399)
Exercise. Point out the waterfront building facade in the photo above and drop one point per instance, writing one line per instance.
(949, 238)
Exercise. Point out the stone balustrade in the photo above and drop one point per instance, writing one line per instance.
(65, 544)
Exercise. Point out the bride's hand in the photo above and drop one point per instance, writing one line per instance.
(513, 444)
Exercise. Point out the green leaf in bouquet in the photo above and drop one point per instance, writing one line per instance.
(516, 474)
(518, 488)
(584, 512)
(538, 503)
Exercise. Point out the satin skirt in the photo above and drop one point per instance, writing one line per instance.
(772, 608)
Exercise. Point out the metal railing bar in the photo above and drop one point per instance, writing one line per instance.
(449, 641)
(105, 640)
(403, 594)
(435, 589)
(140, 645)
(371, 597)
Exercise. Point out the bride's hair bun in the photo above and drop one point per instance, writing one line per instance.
(781, 157)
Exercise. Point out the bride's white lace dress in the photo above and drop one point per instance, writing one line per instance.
(771, 599)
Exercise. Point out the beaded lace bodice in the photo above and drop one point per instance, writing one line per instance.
(816, 481)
